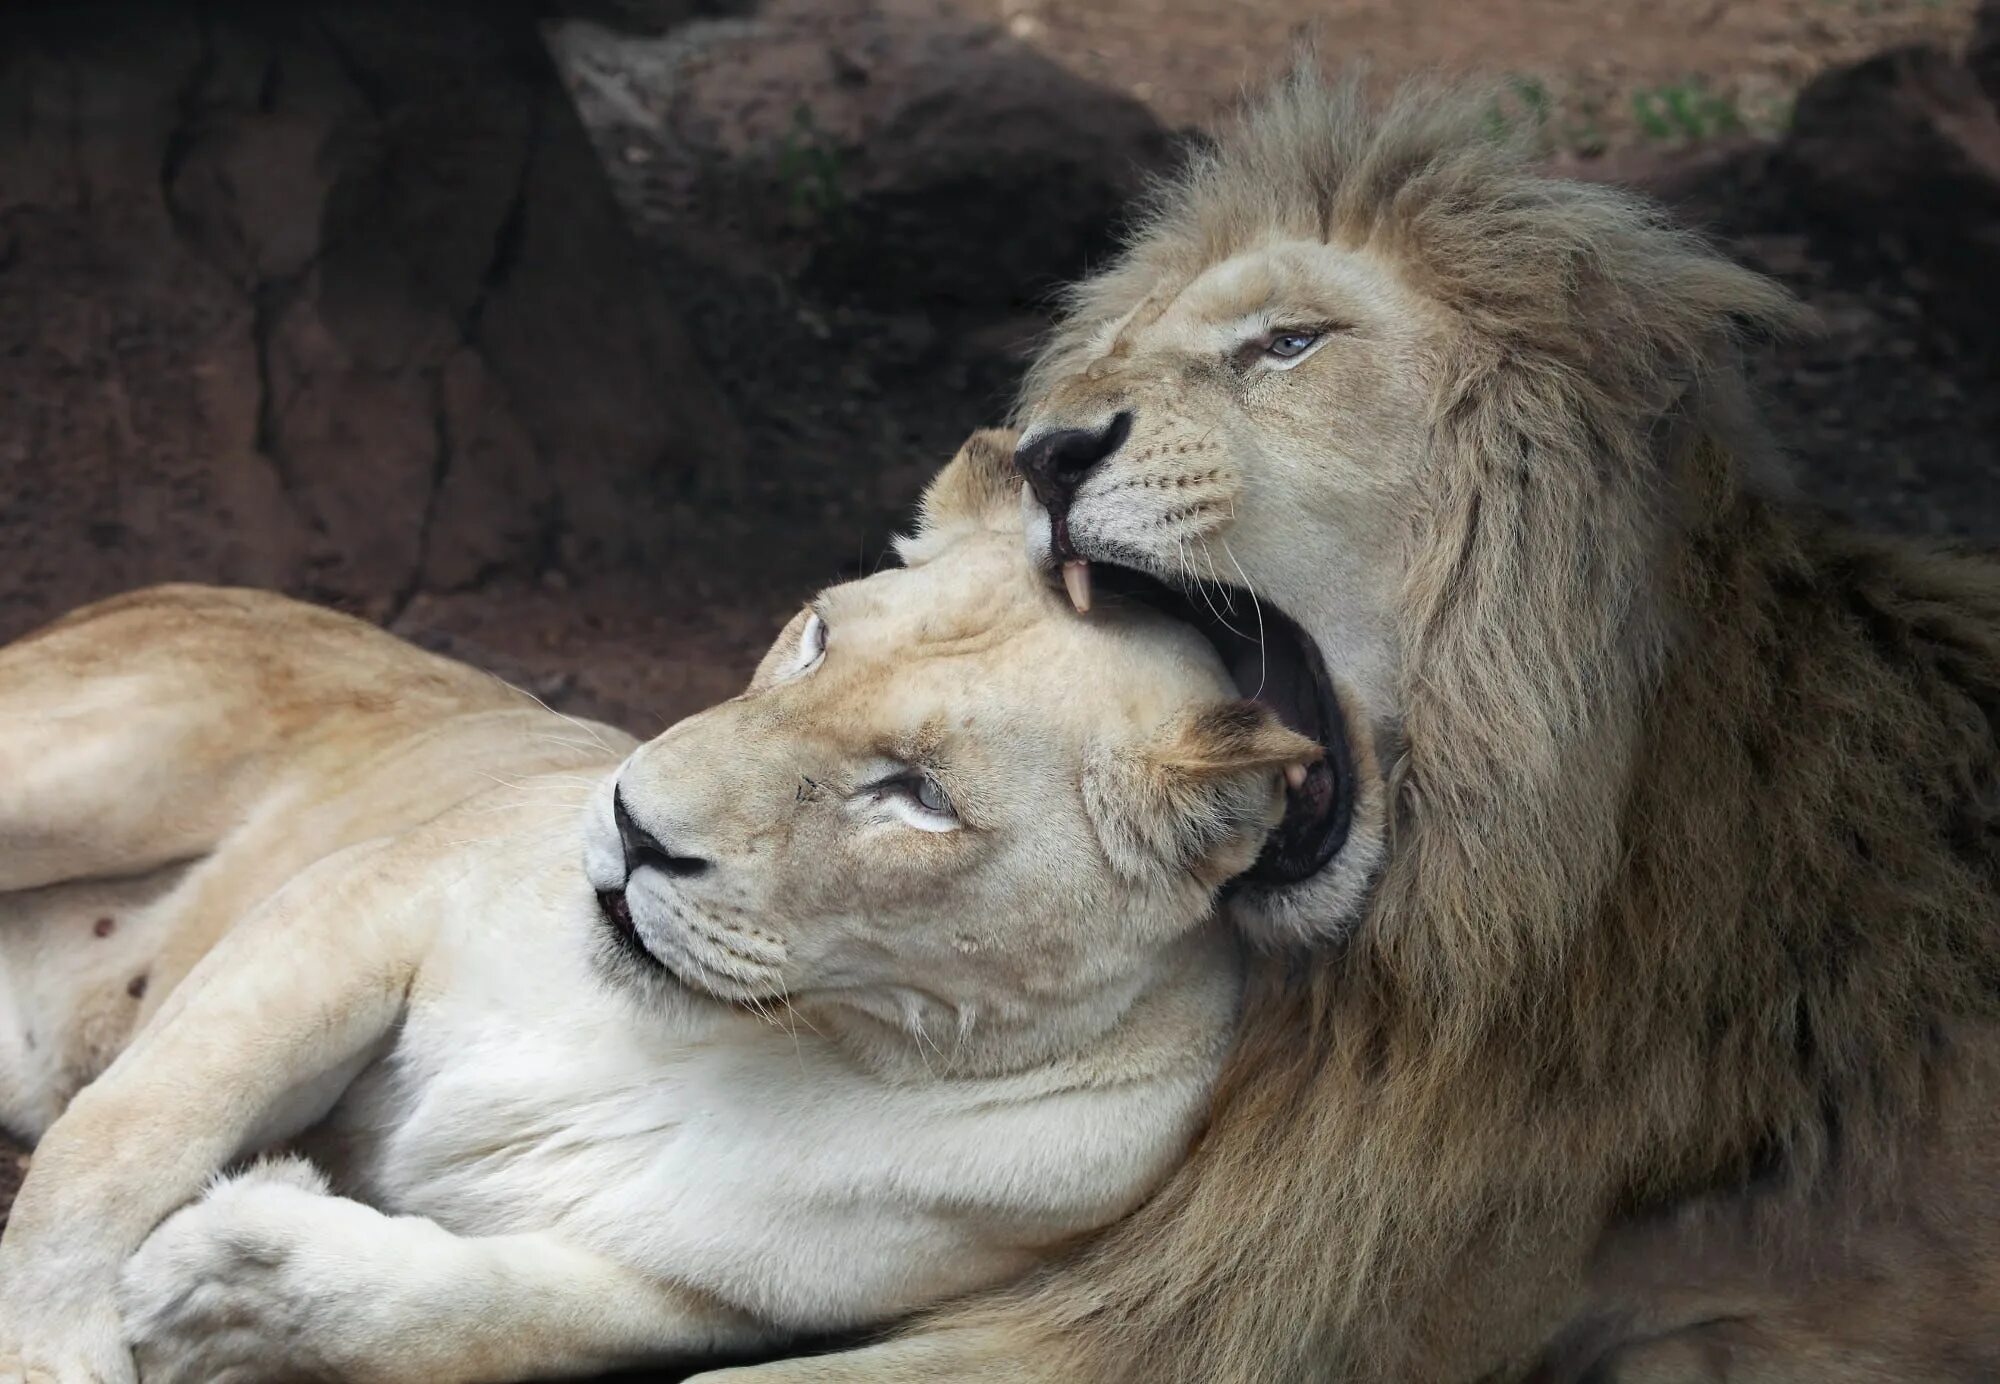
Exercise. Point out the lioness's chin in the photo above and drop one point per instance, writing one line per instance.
(1311, 881)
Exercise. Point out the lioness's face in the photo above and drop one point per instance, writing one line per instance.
(943, 802)
(1249, 435)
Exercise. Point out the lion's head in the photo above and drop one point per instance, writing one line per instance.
(1408, 427)
(944, 809)
(1664, 855)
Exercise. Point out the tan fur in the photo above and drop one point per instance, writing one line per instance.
(269, 874)
(1665, 1037)
(277, 727)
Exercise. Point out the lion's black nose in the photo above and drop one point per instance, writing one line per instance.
(644, 848)
(1055, 464)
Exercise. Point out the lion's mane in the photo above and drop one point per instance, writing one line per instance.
(1694, 863)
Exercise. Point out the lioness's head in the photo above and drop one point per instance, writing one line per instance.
(945, 808)
(1409, 427)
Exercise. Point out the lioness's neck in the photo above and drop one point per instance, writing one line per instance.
(1185, 999)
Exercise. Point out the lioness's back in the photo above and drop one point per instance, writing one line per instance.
(172, 756)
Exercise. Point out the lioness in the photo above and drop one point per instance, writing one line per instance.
(863, 989)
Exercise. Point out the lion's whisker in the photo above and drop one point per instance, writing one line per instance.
(1256, 606)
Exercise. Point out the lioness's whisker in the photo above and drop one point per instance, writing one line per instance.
(583, 726)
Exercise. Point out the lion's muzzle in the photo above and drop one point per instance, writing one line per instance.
(1055, 464)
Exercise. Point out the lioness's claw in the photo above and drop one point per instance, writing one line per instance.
(1295, 776)
(1076, 581)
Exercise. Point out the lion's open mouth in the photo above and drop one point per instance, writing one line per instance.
(1271, 661)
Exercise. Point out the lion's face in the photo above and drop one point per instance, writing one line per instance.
(1250, 435)
(943, 805)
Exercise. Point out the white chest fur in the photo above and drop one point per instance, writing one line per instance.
(696, 1141)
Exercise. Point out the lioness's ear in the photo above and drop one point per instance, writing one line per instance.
(978, 489)
(1201, 797)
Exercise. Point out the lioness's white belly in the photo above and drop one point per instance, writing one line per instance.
(699, 1142)
(75, 963)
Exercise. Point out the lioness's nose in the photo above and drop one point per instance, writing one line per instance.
(644, 848)
(1055, 464)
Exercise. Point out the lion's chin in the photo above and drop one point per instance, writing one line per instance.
(1271, 660)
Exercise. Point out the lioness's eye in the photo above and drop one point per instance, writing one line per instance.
(1286, 345)
(930, 797)
(812, 648)
(919, 800)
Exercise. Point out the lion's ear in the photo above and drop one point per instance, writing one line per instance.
(978, 489)
(1201, 796)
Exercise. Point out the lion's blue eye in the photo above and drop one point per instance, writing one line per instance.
(1286, 345)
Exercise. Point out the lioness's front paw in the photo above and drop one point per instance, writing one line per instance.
(243, 1284)
(88, 1348)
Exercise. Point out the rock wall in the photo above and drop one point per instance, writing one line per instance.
(325, 297)
(1902, 153)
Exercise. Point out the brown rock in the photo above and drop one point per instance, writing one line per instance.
(327, 297)
(1982, 53)
(982, 171)
(1902, 152)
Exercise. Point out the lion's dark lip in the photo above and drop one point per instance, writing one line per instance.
(1272, 660)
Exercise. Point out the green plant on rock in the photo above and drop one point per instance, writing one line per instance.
(1687, 111)
(1525, 104)
(809, 170)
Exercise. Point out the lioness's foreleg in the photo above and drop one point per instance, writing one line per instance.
(253, 1047)
(269, 1277)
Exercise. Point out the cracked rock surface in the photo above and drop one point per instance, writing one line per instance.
(327, 299)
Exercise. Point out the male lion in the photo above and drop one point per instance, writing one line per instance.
(967, 847)
(1633, 955)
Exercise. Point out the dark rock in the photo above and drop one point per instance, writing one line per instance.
(331, 298)
(994, 186)
(1902, 152)
(1982, 53)
(982, 172)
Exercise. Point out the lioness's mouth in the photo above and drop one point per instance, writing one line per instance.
(1271, 660)
(617, 914)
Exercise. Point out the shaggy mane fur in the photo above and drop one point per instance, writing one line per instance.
(1695, 876)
